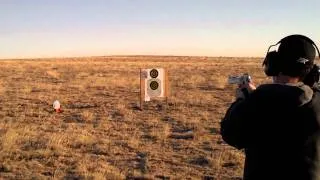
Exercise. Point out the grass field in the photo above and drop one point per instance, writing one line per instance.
(102, 134)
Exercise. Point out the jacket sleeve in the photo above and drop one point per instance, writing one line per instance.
(235, 126)
(312, 146)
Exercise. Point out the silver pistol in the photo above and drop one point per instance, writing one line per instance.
(243, 79)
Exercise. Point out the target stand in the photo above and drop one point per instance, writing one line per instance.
(154, 84)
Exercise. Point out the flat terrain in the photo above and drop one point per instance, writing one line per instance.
(101, 134)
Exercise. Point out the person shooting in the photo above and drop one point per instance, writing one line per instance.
(278, 124)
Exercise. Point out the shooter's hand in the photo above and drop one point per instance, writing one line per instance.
(249, 86)
(244, 90)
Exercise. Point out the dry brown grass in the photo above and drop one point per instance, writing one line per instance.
(101, 134)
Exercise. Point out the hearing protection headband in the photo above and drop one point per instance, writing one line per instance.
(295, 36)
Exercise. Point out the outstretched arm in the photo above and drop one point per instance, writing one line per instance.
(232, 126)
(235, 126)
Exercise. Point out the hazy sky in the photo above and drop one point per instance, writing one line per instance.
(44, 28)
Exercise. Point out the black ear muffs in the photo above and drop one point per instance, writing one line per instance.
(273, 63)
(312, 77)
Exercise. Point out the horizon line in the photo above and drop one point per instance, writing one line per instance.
(123, 56)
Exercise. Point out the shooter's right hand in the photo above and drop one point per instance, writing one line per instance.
(244, 90)
(249, 86)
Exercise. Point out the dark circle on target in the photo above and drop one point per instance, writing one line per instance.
(154, 85)
(154, 73)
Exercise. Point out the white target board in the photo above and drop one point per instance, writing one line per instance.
(153, 83)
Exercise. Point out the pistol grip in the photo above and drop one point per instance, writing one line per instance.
(245, 92)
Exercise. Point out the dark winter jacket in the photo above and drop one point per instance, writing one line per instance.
(278, 126)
